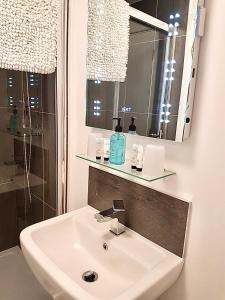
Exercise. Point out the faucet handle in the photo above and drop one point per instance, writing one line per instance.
(104, 216)
(118, 205)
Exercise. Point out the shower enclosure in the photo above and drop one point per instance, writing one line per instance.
(33, 145)
(28, 168)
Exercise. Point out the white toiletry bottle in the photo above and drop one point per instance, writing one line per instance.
(134, 156)
(99, 148)
(91, 147)
(140, 153)
(106, 149)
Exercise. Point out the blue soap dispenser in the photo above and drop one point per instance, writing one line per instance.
(117, 145)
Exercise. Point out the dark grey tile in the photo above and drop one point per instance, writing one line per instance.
(6, 150)
(139, 74)
(168, 130)
(149, 7)
(23, 209)
(122, 96)
(140, 122)
(36, 122)
(50, 160)
(103, 92)
(18, 152)
(4, 101)
(157, 79)
(178, 75)
(162, 10)
(38, 190)
(48, 95)
(42, 160)
(143, 88)
(49, 212)
(136, 27)
(41, 95)
(141, 33)
(40, 146)
(171, 7)
(4, 119)
(143, 37)
(11, 92)
(8, 221)
(35, 161)
(49, 131)
(104, 120)
(24, 121)
(35, 210)
(156, 216)
(154, 125)
(33, 90)
(160, 35)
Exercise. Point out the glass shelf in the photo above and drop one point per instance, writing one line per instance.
(126, 169)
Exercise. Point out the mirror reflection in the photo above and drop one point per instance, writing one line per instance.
(152, 90)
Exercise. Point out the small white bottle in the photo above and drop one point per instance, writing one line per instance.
(140, 154)
(91, 147)
(134, 156)
(99, 148)
(106, 149)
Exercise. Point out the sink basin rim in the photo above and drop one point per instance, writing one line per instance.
(64, 282)
(47, 266)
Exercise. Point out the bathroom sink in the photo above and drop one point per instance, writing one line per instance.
(60, 250)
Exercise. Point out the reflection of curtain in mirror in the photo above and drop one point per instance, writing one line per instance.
(108, 40)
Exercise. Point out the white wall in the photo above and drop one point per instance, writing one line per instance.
(199, 162)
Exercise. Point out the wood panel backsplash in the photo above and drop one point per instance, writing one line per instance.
(156, 216)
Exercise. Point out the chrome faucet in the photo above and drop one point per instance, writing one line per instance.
(116, 215)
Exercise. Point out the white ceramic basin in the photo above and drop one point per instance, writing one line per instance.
(61, 249)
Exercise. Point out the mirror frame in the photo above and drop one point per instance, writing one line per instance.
(195, 31)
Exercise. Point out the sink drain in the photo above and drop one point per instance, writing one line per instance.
(90, 276)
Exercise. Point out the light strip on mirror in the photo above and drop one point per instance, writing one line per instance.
(141, 16)
(190, 62)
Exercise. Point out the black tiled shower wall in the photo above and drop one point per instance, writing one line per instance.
(8, 220)
(27, 206)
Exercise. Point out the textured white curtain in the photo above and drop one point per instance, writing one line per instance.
(28, 35)
(108, 40)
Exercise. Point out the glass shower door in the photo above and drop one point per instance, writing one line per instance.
(28, 152)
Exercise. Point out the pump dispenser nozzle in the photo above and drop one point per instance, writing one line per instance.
(132, 127)
(118, 127)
